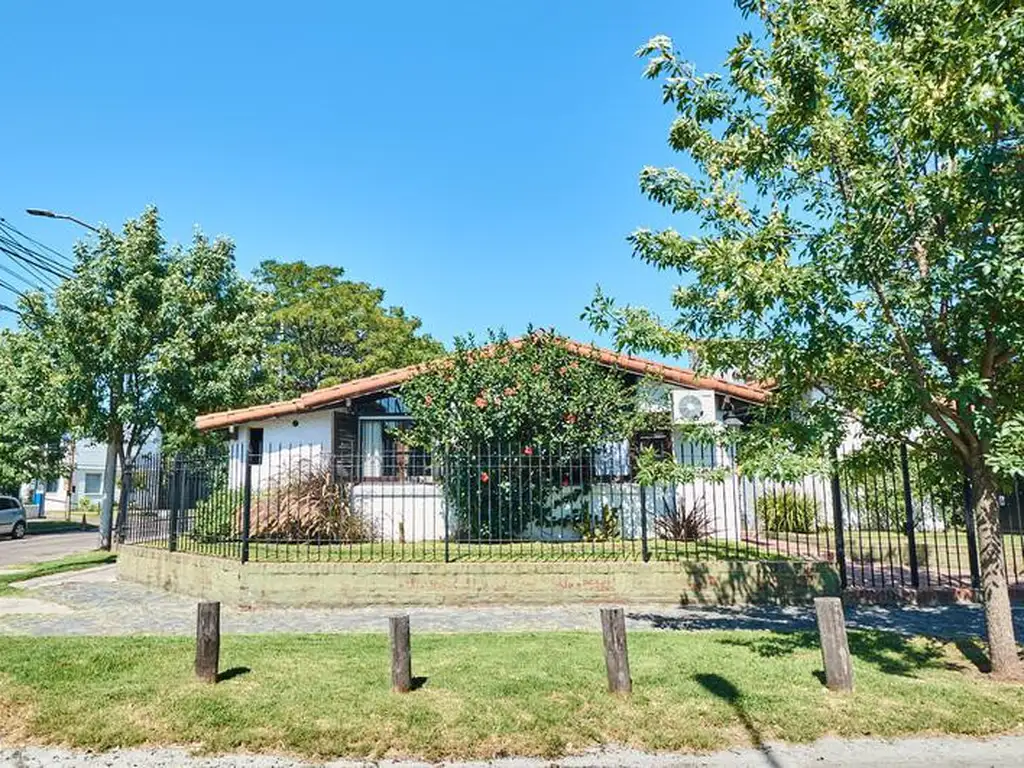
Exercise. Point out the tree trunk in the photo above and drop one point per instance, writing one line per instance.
(114, 437)
(1002, 644)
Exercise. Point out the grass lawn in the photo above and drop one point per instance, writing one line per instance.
(50, 567)
(59, 525)
(488, 695)
(433, 551)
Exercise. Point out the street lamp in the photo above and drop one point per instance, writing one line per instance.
(65, 216)
(71, 473)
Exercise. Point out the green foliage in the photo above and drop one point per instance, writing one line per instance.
(604, 528)
(217, 517)
(146, 336)
(86, 506)
(324, 330)
(855, 173)
(515, 419)
(856, 178)
(537, 391)
(786, 511)
(501, 494)
(33, 414)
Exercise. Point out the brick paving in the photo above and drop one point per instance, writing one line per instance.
(97, 604)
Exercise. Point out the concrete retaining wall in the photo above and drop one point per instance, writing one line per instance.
(359, 584)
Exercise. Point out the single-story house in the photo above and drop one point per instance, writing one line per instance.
(355, 427)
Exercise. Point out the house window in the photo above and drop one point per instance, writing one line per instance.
(383, 454)
(93, 483)
(255, 445)
(51, 486)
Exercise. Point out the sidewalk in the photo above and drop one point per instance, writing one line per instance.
(93, 602)
(1002, 752)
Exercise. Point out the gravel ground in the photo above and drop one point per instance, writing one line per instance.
(93, 602)
(910, 753)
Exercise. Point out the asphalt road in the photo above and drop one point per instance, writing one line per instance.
(36, 547)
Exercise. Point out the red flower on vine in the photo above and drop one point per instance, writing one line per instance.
(528, 451)
(428, 400)
(509, 391)
(481, 402)
(565, 481)
(484, 477)
(570, 418)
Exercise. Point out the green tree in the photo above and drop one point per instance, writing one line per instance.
(33, 416)
(145, 336)
(325, 330)
(858, 176)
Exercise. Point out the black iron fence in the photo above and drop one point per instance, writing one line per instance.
(884, 522)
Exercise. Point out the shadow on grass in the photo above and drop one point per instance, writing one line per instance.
(418, 682)
(230, 674)
(974, 651)
(890, 653)
(729, 693)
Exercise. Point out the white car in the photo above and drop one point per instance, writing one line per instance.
(12, 517)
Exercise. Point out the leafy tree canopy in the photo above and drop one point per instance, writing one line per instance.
(145, 336)
(33, 414)
(858, 176)
(325, 330)
(533, 391)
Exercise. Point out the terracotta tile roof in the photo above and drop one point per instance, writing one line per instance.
(381, 382)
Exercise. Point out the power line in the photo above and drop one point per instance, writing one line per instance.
(5, 224)
(30, 265)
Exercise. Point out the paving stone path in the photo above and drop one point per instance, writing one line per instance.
(95, 603)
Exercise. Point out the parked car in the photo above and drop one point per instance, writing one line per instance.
(12, 517)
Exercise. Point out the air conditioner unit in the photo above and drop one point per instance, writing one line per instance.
(693, 406)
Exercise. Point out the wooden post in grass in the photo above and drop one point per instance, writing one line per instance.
(835, 648)
(616, 655)
(208, 641)
(401, 654)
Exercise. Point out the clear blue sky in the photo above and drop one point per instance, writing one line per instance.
(478, 160)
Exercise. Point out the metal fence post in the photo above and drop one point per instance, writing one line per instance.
(972, 537)
(246, 505)
(126, 492)
(908, 504)
(176, 500)
(837, 520)
(446, 465)
(644, 550)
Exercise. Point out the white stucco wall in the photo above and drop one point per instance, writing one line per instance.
(289, 444)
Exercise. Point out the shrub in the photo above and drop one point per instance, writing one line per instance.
(604, 528)
(218, 518)
(308, 505)
(684, 524)
(787, 511)
(87, 507)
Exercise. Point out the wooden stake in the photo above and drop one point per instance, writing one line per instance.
(208, 641)
(835, 648)
(616, 655)
(401, 654)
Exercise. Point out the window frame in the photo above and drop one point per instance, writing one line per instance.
(401, 472)
(85, 484)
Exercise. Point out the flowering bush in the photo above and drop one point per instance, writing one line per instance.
(514, 423)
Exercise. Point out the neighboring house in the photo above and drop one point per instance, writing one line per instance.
(86, 460)
(355, 428)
